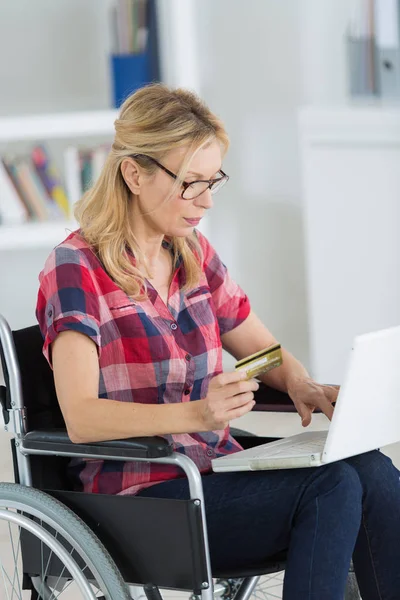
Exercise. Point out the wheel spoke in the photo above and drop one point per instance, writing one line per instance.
(62, 573)
(48, 560)
(269, 587)
(4, 573)
(15, 561)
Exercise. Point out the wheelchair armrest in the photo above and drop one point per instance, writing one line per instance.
(57, 440)
(271, 400)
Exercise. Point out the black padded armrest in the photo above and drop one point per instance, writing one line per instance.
(271, 400)
(57, 440)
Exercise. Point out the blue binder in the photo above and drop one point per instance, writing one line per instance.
(132, 71)
(129, 72)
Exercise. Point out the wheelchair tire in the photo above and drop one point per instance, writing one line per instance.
(52, 513)
(352, 591)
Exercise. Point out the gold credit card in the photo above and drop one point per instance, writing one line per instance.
(261, 362)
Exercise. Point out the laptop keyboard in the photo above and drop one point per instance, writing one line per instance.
(290, 448)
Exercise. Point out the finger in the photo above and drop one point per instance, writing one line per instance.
(331, 392)
(224, 379)
(241, 387)
(325, 405)
(319, 400)
(239, 412)
(305, 413)
(238, 400)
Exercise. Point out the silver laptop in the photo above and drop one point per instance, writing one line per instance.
(366, 416)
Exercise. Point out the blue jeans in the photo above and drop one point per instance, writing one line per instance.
(323, 517)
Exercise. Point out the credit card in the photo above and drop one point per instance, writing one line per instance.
(261, 362)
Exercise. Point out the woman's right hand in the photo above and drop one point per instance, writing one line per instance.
(229, 396)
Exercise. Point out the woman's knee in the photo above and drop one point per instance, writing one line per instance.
(370, 463)
(376, 472)
(342, 480)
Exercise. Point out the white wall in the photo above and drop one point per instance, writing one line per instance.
(53, 55)
(250, 76)
(257, 63)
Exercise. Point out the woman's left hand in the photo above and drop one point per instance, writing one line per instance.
(307, 395)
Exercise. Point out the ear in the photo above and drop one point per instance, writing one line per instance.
(132, 175)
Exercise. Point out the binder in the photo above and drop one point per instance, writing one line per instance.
(387, 24)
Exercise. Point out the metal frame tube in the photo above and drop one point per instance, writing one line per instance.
(7, 342)
(195, 491)
(247, 587)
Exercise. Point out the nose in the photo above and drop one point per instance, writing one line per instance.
(205, 200)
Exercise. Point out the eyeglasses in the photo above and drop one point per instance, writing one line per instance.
(194, 189)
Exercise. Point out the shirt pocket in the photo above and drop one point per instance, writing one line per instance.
(200, 306)
(198, 295)
(122, 307)
(143, 341)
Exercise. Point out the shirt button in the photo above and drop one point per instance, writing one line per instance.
(186, 392)
(188, 357)
(174, 326)
(210, 452)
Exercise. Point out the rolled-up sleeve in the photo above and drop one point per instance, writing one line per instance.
(231, 304)
(67, 298)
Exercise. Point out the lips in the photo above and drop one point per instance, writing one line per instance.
(192, 222)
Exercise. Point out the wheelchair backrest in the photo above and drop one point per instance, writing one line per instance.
(39, 395)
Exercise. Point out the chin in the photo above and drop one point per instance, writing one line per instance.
(181, 231)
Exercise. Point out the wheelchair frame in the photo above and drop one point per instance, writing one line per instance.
(29, 443)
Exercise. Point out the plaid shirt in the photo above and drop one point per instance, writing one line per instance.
(148, 352)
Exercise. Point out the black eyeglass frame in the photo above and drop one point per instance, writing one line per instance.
(185, 184)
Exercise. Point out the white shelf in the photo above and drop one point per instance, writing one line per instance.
(61, 125)
(348, 125)
(35, 235)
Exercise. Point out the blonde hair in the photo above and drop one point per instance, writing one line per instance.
(152, 121)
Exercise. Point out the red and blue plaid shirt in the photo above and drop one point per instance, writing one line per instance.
(148, 351)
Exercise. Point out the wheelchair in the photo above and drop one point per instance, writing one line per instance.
(74, 545)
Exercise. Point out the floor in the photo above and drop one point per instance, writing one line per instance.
(261, 424)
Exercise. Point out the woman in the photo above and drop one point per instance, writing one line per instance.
(135, 308)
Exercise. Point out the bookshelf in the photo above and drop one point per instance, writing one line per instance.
(62, 125)
(46, 127)
(34, 235)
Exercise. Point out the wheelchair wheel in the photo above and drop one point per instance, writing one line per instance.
(352, 591)
(268, 587)
(51, 551)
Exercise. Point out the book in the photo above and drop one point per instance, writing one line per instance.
(99, 157)
(51, 182)
(72, 176)
(54, 211)
(85, 161)
(12, 208)
(23, 172)
(142, 30)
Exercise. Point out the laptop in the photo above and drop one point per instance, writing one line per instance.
(366, 415)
